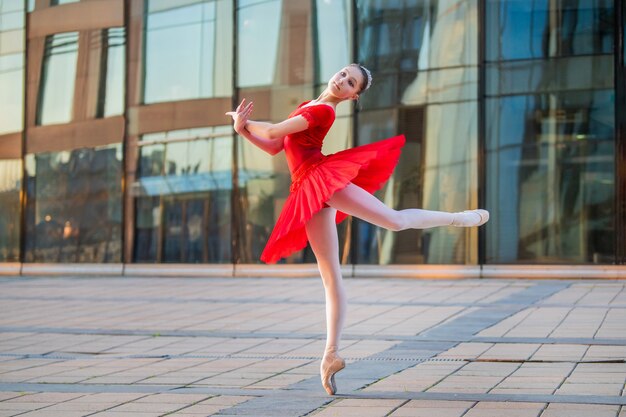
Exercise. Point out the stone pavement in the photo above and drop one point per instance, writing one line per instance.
(144, 347)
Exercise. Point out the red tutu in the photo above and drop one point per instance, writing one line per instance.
(317, 177)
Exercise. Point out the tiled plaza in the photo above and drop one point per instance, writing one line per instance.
(148, 347)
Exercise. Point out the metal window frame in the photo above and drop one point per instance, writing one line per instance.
(620, 132)
(235, 217)
(482, 126)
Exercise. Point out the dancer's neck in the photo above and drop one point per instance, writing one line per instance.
(327, 98)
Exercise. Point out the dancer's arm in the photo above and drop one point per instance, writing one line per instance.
(269, 137)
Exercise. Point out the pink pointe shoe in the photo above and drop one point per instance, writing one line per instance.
(331, 364)
(470, 218)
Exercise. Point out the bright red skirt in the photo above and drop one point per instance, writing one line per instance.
(315, 181)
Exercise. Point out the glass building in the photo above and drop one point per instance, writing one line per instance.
(115, 151)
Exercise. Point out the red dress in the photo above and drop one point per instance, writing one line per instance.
(315, 177)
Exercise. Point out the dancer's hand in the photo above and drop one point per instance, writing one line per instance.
(240, 115)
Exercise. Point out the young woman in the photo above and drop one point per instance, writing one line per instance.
(327, 188)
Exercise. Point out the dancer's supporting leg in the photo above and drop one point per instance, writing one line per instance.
(357, 202)
(322, 233)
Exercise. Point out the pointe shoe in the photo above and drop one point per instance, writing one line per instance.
(470, 218)
(331, 364)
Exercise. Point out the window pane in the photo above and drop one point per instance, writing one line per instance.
(275, 48)
(419, 52)
(11, 99)
(333, 42)
(11, 6)
(276, 61)
(551, 177)
(263, 188)
(56, 94)
(11, 66)
(550, 132)
(115, 51)
(543, 28)
(556, 74)
(188, 49)
(259, 26)
(424, 57)
(183, 196)
(11, 20)
(74, 206)
(10, 187)
(437, 171)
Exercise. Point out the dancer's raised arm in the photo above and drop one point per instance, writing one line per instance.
(267, 136)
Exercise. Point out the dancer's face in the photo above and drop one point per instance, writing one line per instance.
(346, 84)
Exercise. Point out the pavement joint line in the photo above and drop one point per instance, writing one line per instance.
(523, 398)
(300, 393)
(235, 300)
(569, 374)
(317, 336)
(234, 356)
(294, 357)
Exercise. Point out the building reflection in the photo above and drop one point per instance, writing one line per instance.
(551, 132)
(114, 147)
(74, 212)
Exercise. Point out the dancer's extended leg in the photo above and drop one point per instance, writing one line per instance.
(357, 202)
(322, 233)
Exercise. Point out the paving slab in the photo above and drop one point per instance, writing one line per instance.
(143, 347)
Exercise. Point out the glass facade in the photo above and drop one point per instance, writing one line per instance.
(187, 49)
(12, 62)
(10, 185)
(73, 212)
(424, 56)
(183, 196)
(275, 57)
(550, 134)
(511, 105)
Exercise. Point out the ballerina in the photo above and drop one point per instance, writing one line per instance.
(327, 188)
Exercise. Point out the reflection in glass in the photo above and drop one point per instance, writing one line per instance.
(551, 178)
(11, 66)
(402, 42)
(10, 186)
(550, 131)
(188, 49)
(264, 184)
(111, 95)
(56, 92)
(183, 196)
(525, 29)
(74, 206)
(276, 59)
(550, 75)
(59, 2)
(424, 58)
(259, 24)
(437, 171)
(333, 19)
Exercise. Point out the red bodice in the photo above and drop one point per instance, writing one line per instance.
(307, 144)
